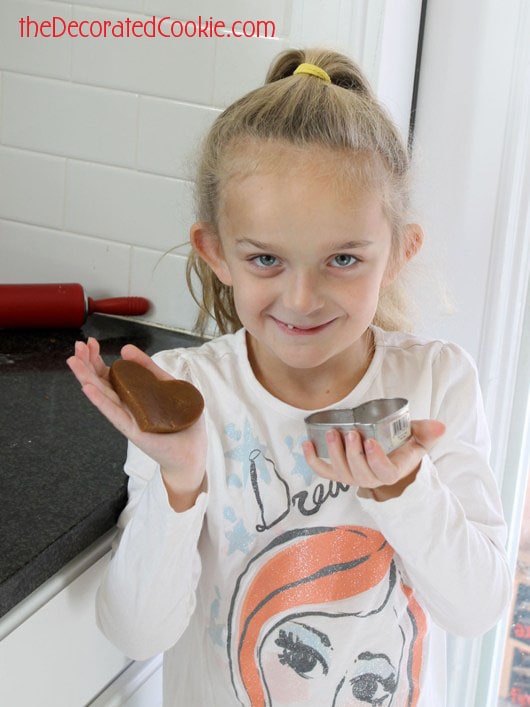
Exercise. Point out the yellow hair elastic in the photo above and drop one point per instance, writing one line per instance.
(312, 70)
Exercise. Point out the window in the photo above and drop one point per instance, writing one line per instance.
(472, 135)
(514, 686)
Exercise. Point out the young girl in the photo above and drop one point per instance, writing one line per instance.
(268, 575)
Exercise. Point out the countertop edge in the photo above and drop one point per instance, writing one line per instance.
(55, 584)
(66, 548)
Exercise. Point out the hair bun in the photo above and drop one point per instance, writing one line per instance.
(342, 71)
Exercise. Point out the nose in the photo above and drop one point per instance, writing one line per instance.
(302, 293)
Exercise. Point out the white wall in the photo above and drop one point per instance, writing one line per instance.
(473, 190)
(466, 82)
(98, 136)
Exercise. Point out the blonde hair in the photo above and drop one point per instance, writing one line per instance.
(304, 111)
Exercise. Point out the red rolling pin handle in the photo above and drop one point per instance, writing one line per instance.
(129, 306)
(58, 305)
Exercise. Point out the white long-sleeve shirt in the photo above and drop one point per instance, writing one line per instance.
(282, 588)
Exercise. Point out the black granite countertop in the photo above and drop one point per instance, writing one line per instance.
(62, 483)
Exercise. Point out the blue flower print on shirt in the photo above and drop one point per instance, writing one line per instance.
(301, 467)
(230, 514)
(232, 432)
(238, 537)
(248, 443)
(216, 631)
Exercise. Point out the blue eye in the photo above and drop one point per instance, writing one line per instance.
(302, 658)
(343, 260)
(265, 261)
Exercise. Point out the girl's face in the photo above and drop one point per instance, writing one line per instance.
(302, 662)
(306, 259)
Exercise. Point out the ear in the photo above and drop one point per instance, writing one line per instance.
(412, 242)
(207, 244)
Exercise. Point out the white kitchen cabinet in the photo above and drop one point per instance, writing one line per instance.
(53, 655)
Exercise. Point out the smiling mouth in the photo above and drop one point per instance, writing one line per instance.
(301, 330)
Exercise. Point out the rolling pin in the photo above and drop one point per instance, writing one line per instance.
(59, 306)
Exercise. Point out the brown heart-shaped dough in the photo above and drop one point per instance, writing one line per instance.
(157, 406)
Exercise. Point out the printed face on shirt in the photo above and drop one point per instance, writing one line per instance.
(302, 661)
(306, 257)
(321, 616)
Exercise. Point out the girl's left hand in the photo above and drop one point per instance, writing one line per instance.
(362, 463)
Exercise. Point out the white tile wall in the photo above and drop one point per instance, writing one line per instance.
(162, 148)
(57, 117)
(36, 56)
(37, 254)
(31, 187)
(153, 272)
(98, 137)
(234, 77)
(182, 69)
(126, 205)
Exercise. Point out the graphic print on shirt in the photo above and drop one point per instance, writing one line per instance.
(274, 495)
(305, 597)
(274, 498)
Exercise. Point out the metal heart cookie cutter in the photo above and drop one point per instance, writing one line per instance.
(386, 420)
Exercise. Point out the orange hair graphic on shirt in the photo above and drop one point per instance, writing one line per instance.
(296, 579)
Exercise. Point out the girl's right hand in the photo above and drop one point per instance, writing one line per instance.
(181, 455)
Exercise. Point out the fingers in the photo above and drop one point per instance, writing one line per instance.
(348, 463)
(358, 457)
(348, 458)
(426, 432)
(87, 355)
(78, 364)
(130, 352)
(318, 465)
(95, 358)
(385, 471)
(92, 373)
(90, 370)
(362, 462)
